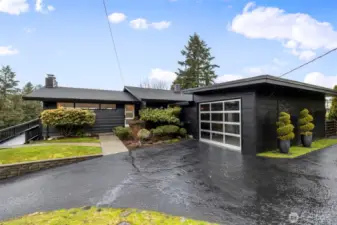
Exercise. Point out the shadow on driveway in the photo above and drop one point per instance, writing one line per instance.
(188, 179)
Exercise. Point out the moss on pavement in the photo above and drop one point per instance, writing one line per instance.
(95, 216)
(296, 151)
(43, 152)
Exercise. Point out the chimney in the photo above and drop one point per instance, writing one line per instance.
(50, 81)
(176, 88)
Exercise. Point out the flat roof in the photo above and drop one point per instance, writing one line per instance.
(84, 94)
(263, 79)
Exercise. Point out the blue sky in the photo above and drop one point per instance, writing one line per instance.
(70, 39)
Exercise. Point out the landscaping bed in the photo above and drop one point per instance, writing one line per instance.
(134, 144)
(296, 151)
(93, 216)
(44, 152)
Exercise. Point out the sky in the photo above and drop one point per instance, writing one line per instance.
(71, 39)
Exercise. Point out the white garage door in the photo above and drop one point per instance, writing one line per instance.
(220, 123)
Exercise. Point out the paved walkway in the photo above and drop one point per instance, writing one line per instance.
(111, 144)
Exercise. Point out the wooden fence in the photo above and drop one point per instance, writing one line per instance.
(330, 128)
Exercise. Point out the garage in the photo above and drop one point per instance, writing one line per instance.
(220, 123)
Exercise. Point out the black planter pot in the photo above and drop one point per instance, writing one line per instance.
(284, 146)
(306, 140)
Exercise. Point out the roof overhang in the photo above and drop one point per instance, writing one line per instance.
(264, 79)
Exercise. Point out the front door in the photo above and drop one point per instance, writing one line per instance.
(129, 114)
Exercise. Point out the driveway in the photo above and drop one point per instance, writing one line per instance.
(188, 179)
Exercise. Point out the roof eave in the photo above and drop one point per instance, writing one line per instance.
(30, 98)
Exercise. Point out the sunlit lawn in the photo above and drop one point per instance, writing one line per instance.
(95, 216)
(33, 153)
(296, 151)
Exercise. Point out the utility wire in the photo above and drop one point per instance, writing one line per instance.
(113, 42)
(318, 57)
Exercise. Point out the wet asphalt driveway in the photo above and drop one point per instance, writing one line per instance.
(187, 179)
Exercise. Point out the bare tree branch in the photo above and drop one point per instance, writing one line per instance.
(155, 84)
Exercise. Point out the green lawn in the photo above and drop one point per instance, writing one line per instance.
(296, 151)
(33, 153)
(72, 140)
(95, 216)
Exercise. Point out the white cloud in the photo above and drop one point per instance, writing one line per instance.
(162, 75)
(8, 50)
(29, 30)
(228, 77)
(142, 24)
(40, 7)
(117, 17)
(139, 24)
(14, 7)
(320, 79)
(305, 55)
(161, 25)
(279, 62)
(293, 30)
(50, 8)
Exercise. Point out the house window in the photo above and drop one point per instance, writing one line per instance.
(108, 106)
(65, 105)
(87, 105)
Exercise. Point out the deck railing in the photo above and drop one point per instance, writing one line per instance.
(32, 129)
(330, 128)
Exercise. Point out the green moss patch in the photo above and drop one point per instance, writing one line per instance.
(44, 152)
(71, 140)
(296, 151)
(95, 216)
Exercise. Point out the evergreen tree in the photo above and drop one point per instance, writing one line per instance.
(197, 69)
(333, 108)
(8, 84)
(31, 109)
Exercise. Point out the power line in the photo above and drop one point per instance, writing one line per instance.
(318, 57)
(113, 42)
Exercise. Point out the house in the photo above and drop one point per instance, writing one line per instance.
(238, 115)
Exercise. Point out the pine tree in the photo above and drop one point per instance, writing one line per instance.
(31, 109)
(333, 108)
(8, 84)
(197, 69)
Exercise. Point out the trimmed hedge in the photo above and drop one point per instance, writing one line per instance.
(285, 128)
(183, 132)
(305, 122)
(68, 121)
(166, 130)
(123, 133)
(164, 116)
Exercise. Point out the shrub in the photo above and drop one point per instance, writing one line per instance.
(305, 122)
(333, 108)
(164, 116)
(123, 133)
(143, 134)
(157, 132)
(285, 128)
(170, 130)
(68, 120)
(183, 132)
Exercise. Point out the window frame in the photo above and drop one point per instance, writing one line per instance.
(223, 122)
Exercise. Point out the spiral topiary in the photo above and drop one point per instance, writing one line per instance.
(284, 127)
(305, 123)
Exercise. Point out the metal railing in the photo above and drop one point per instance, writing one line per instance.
(31, 129)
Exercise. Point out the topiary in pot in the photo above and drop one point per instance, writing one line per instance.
(284, 132)
(306, 126)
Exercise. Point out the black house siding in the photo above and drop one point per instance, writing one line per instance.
(272, 100)
(248, 121)
(189, 118)
(106, 120)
